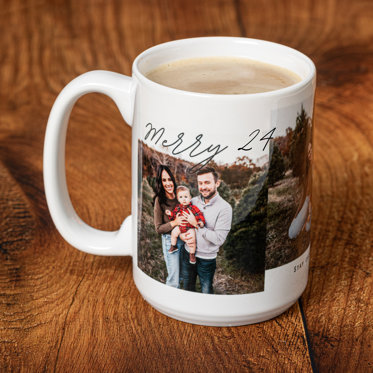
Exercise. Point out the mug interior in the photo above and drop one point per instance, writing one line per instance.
(259, 50)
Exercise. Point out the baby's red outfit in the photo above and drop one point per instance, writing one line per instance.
(179, 209)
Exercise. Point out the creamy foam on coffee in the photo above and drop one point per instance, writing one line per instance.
(223, 75)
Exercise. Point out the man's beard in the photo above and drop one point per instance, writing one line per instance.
(210, 195)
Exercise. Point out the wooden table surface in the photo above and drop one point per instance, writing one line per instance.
(66, 311)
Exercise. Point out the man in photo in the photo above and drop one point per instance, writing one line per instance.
(218, 218)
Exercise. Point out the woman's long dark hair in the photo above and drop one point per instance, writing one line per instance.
(159, 190)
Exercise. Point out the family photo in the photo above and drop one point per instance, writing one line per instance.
(184, 221)
(218, 228)
(289, 208)
(190, 223)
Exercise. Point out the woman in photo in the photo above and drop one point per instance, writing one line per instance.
(302, 219)
(165, 200)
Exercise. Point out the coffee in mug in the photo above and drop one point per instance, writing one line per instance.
(223, 75)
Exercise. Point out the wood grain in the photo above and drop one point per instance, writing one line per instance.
(63, 310)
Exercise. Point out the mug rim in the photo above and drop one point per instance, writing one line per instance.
(286, 90)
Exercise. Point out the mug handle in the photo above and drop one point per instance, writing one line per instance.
(121, 89)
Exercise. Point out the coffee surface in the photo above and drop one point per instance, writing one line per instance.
(223, 75)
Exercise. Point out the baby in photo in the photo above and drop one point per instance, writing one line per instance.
(184, 197)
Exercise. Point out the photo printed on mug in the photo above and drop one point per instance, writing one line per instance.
(213, 217)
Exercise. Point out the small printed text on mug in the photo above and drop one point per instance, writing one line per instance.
(301, 264)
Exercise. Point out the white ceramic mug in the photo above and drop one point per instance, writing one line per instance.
(217, 130)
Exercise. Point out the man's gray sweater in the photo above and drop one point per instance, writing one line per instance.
(218, 216)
